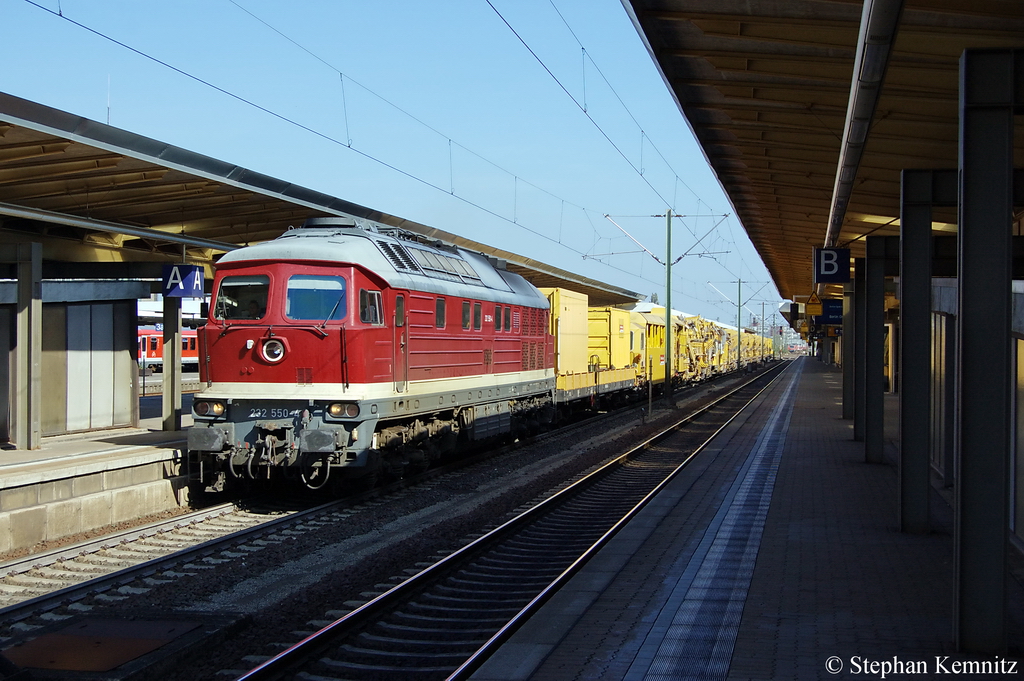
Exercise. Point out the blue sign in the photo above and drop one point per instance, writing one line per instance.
(183, 281)
(831, 265)
(831, 311)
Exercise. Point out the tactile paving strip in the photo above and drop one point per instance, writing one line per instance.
(694, 636)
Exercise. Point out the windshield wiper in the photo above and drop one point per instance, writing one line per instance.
(323, 325)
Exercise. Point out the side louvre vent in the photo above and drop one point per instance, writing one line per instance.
(398, 256)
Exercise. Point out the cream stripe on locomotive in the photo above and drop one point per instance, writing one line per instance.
(510, 385)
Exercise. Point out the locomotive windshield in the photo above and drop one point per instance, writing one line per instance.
(317, 297)
(242, 297)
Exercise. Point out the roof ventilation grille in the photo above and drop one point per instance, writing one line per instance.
(398, 256)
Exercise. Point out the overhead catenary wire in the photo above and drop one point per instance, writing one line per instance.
(579, 105)
(347, 142)
(623, 103)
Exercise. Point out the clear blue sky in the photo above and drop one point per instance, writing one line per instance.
(435, 112)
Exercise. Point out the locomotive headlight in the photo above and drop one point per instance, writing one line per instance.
(208, 408)
(343, 409)
(273, 351)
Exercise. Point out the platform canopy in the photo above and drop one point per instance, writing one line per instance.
(808, 110)
(95, 195)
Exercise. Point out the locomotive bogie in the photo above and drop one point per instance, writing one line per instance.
(261, 439)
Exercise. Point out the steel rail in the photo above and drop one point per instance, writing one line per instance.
(503, 634)
(124, 575)
(105, 582)
(279, 663)
(19, 565)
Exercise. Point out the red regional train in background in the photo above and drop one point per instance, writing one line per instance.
(349, 351)
(151, 349)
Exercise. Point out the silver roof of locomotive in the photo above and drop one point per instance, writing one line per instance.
(389, 253)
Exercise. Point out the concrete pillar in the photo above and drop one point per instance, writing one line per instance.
(984, 361)
(874, 352)
(172, 364)
(28, 353)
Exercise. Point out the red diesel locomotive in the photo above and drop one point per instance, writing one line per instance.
(346, 349)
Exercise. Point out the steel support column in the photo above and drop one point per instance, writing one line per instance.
(984, 350)
(915, 344)
(849, 333)
(874, 353)
(859, 348)
(172, 364)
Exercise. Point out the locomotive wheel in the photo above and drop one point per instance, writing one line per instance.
(418, 463)
(363, 483)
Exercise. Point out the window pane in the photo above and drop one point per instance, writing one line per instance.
(432, 261)
(465, 314)
(315, 297)
(446, 263)
(477, 316)
(370, 308)
(242, 297)
(508, 318)
(399, 310)
(497, 317)
(439, 313)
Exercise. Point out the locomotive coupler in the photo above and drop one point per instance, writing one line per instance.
(275, 442)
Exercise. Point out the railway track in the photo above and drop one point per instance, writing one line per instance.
(163, 551)
(109, 573)
(42, 582)
(443, 622)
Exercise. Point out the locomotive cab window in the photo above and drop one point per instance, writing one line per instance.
(371, 309)
(439, 313)
(242, 297)
(315, 297)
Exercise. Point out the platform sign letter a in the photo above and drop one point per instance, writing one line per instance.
(183, 281)
(831, 265)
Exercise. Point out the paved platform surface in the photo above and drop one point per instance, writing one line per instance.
(777, 556)
(80, 453)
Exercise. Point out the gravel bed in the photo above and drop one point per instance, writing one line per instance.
(286, 585)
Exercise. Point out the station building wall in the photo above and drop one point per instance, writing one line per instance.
(89, 372)
(943, 353)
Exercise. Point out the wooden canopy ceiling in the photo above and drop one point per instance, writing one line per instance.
(765, 86)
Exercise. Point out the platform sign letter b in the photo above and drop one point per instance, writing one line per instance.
(831, 265)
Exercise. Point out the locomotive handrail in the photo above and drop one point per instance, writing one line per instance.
(299, 327)
(344, 358)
